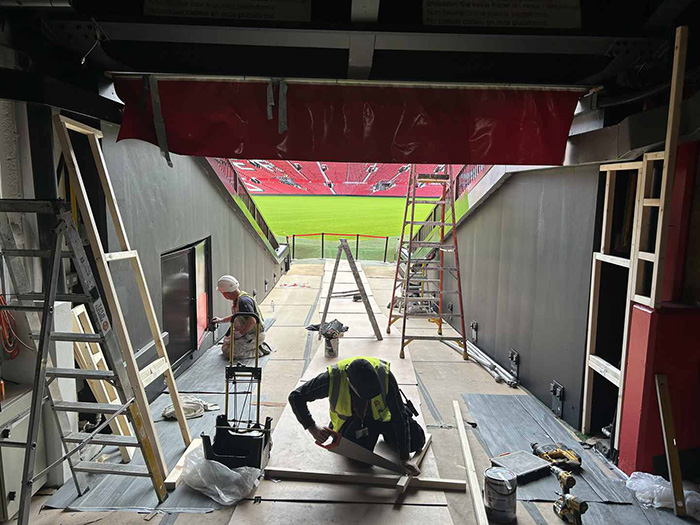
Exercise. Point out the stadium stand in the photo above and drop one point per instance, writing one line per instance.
(338, 178)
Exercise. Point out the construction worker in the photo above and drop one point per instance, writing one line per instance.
(365, 402)
(243, 327)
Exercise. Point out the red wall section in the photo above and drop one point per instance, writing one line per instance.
(664, 341)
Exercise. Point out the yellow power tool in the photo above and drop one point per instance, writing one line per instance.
(568, 507)
(558, 455)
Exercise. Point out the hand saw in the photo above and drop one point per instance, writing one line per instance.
(351, 450)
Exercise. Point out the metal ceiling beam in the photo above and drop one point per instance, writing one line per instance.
(341, 39)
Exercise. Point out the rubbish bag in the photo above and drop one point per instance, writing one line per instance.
(655, 491)
(224, 485)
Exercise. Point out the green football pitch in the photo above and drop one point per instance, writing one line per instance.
(289, 215)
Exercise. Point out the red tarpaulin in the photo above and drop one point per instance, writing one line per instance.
(333, 122)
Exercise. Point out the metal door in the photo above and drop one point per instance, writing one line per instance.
(178, 282)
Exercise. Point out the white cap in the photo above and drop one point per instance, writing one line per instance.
(227, 283)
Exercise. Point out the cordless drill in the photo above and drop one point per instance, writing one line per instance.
(558, 455)
(568, 507)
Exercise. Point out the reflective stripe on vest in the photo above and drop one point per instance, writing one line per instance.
(339, 396)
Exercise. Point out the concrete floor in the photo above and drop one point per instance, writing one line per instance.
(443, 373)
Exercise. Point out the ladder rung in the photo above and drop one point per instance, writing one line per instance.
(122, 469)
(72, 337)
(434, 244)
(79, 373)
(88, 408)
(119, 256)
(423, 201)
(12, 444)
(422, 280)
(33, 253)
(434, 337)
(103, 439)
(68, 297)
(430, 223)
(434, 176)
(21, 308)
(431, 298)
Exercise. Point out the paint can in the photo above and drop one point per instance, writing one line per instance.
(500, 498)
(331, 348)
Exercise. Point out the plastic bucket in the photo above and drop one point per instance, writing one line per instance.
(331, 348)
(500, 498)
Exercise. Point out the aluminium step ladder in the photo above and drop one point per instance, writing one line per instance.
(44, 390)
(421, 266)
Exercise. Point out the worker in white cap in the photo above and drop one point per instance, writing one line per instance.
(243, 327)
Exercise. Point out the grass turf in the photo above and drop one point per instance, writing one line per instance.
(294, 215)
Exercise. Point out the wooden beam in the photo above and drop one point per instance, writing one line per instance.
(621, 166)
(377, 480)
(612, 259)
(669, 430)
(175, 476)
(153, 371)
(403, 482)
(608, 205)
(608, 371)
(74, 125)
(120, 256)
(642, 299)
(472, 478)
(591, 335)
(669, 169)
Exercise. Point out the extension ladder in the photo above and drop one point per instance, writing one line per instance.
(44, 390)
(419, 290)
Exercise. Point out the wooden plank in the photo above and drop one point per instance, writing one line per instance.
(472, 478)
(153, 371)
(608, 371)
(669, 430)
(89, 357)
(621, 166)
(652, 203)
(647, 256)
(120, 256)
(642, 299)
(608, 205)
(657, 155)
(140, 409)
(403, 482)
(378, 480)
(612, 259)
(669, 169)
(74, 125)
(153, 324)
(591, 335)
(175, 476)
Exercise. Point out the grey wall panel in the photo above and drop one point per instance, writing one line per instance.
(526, 263)
(166, 208)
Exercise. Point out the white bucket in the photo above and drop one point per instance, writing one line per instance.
(500, 498)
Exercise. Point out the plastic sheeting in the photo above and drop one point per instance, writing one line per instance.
(353, 123)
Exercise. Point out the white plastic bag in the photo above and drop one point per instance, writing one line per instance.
(655, 491)
(220, 483)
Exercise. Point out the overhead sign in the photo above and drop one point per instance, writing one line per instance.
(269, 10)
(553, 14)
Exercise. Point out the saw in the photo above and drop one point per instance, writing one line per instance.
(347, 448)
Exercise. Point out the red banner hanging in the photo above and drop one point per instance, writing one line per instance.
(354, 123)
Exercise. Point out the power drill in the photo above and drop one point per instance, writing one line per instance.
(568, 507)
(558, 455)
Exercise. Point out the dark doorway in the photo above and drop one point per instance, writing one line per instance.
(186, 282)
(177, 271)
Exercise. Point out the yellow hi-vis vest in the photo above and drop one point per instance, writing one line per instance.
(339, 392)
(257, 310)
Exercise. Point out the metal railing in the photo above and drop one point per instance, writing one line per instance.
(324, 244)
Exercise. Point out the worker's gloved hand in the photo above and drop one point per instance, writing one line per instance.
(217, 320)
(320, 434)
(411, 468)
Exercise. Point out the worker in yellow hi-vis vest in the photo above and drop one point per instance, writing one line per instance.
(365, 402)
(243, 329)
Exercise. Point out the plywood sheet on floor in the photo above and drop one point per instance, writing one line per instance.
(287, 342)
(286, 315)
(294, 448)
(386, 350)
(279, 378)
(342, 305)
(291, 295)
(385, 270)
(344, 266)
(306, 268)
(382, 283)
(299, 281)
(283, 513)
